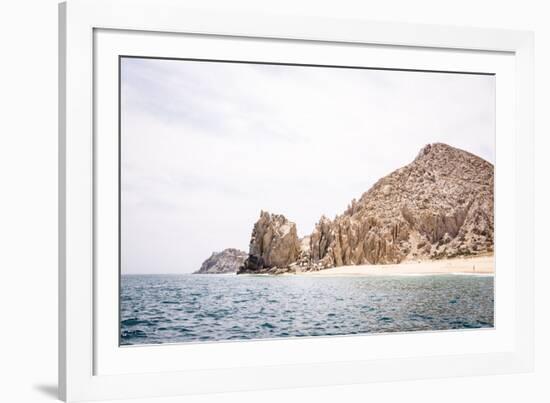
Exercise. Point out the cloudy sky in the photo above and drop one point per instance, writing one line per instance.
(206, 146)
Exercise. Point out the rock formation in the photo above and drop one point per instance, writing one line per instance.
(441, 205)
(274, 245)
(438, 206)
(226, 261)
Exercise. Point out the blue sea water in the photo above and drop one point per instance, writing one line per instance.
(192, 308)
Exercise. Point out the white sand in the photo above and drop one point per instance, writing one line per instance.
(484, 265)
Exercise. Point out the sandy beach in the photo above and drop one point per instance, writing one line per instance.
(481, 265)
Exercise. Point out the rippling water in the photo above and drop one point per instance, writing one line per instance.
(191, 308)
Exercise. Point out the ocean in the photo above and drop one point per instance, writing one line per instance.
(158, 309)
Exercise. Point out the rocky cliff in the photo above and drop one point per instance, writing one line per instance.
(226, 261)
(438, 206)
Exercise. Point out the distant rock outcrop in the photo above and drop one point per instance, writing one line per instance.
(441, 205)
(226, 261)
(274, 245)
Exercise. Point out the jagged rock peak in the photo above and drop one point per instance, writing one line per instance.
(274, 244)
(442, 150)
(227, 261)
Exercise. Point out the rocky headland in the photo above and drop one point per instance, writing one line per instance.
(226, 261)
(440, 206)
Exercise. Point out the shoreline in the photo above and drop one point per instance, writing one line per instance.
(478, 265)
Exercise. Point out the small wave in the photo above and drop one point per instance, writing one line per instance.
(417, 316)
(134, 321)
(471, 325)
(131, 334)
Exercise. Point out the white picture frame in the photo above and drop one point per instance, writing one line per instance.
(92, 367)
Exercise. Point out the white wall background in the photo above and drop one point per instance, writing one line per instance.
(28, 199)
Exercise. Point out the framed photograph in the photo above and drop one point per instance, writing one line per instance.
(251, 201)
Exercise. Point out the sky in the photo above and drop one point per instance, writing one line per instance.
(205, 146)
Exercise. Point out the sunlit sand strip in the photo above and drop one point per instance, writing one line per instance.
(480, 265)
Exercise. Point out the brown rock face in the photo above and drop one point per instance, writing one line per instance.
(440, 205)
(274, 245)
(226, 261)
